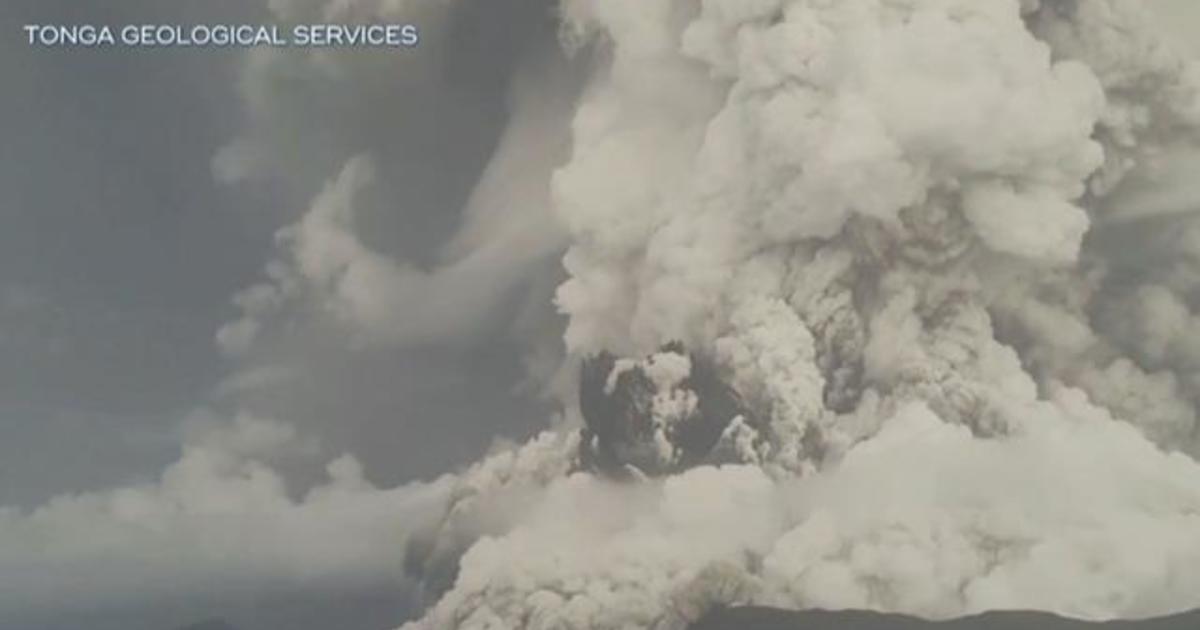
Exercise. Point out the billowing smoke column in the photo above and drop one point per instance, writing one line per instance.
(951, 362)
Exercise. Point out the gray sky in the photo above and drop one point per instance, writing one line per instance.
(120, 253)
(109, 286)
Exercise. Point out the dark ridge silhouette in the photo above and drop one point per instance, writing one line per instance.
(209, 624)
(758, 618)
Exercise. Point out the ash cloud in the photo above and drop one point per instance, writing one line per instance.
(909, 236)
(922, 272)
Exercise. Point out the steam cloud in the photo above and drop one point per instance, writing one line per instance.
(918, 239)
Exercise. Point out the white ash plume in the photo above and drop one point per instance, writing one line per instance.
(885, 223)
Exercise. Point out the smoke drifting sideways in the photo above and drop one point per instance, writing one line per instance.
(926, 245)
(424, 255)
(421, 181)
(391, 249)
(218, 527)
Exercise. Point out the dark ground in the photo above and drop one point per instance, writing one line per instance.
(753, 618)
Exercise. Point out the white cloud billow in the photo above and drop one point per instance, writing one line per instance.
(218, 521)
(878, 219)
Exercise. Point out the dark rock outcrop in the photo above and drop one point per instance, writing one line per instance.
(626, 426)
(209, 624)
(756, 618)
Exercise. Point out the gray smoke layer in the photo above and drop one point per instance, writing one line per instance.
(941, 252)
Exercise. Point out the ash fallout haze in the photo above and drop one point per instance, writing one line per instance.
(613, 314)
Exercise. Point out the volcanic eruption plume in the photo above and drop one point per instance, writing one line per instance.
(868, 313)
